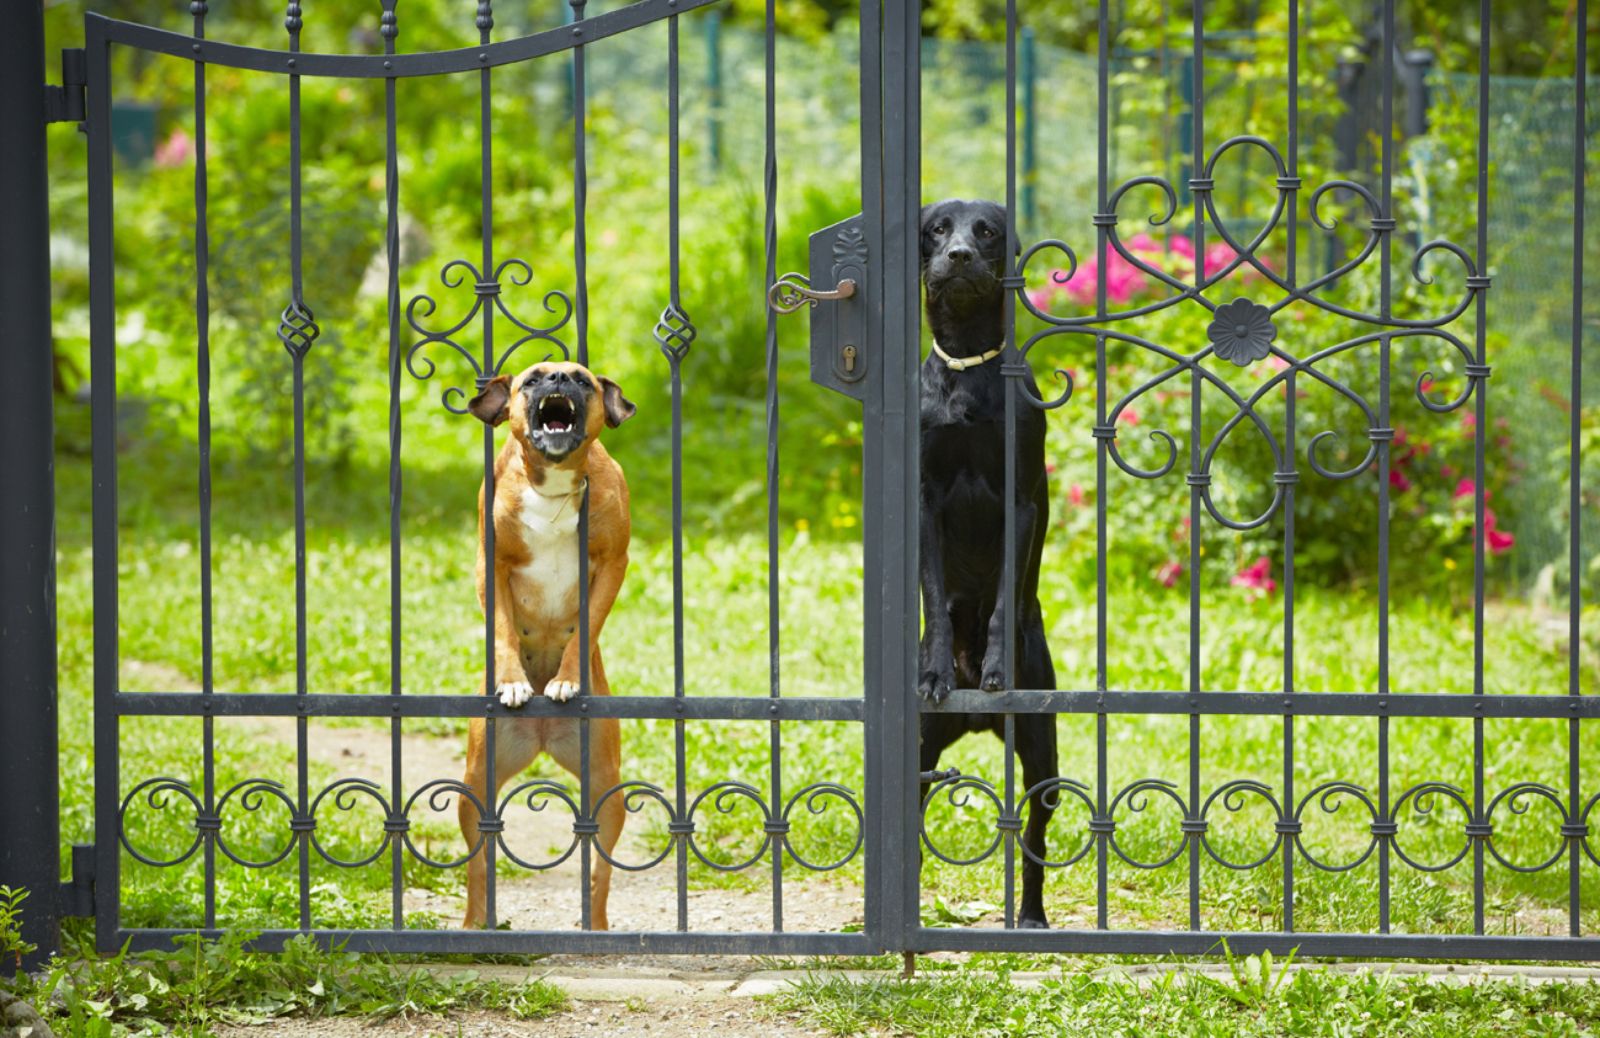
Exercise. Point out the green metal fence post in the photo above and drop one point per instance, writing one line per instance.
(714, 85)
(1030, 132)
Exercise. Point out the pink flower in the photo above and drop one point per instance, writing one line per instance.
(1466, 488)
(1169, 573)
(1049, 468)
(1257, 577)
(1398, 480)
(1130, 416)
(1499, 541)
(1218, 256)
(1075, 494)
(176, 150)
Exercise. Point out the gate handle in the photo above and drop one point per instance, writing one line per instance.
(792, 291)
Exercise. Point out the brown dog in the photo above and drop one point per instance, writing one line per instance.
(556, 413)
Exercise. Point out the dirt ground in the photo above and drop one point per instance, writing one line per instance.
(656, 1018)
(663, 996)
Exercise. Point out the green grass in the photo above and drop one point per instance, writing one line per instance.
(1260, 998)
(726, 645)
(202, 985)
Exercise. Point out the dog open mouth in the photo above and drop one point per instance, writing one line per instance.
(556, 414)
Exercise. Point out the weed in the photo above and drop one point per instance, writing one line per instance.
(11, 943)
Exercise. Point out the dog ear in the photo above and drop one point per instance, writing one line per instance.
(618, 407)
(491, 405)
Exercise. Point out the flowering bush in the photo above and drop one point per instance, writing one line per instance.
(1430, 478)
(1126, 283)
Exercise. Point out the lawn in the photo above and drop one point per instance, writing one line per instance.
(726, 641)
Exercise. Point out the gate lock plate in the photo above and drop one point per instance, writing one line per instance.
(837, 257)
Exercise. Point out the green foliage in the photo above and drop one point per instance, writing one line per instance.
(204, 985)
(1311, 1002)
(1255, 982)
(12, 946)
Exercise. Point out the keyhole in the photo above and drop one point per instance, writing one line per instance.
(849, 359)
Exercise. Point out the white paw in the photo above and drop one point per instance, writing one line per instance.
(560, 691)
(514, 693)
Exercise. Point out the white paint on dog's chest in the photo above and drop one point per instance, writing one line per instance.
(547, 586)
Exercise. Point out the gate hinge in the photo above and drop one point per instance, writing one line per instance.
(65, 103)
(76, 896)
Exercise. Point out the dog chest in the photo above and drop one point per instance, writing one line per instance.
(546, 586)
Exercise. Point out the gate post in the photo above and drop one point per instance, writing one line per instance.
(30, 821)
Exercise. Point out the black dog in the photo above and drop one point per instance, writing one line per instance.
(963, 511)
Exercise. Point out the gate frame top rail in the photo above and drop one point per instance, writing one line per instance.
(380, 66)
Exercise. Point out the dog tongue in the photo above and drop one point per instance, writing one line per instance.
(556, 425)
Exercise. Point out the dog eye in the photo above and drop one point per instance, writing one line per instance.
(984, 231)
(941, 229)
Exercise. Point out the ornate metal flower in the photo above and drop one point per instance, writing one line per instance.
(1242, 331)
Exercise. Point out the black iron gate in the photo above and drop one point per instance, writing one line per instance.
(865, 342)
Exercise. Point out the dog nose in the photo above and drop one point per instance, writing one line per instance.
(959, 254)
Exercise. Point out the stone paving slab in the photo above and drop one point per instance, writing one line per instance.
(621, 985)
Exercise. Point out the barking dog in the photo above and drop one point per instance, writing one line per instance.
(556, 413)
(963, 512)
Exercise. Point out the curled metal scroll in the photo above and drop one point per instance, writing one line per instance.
(536, 795)
(956, 790)
(487, 292)
(816, 798)
(725, 797)
(1242, 330)
(1331, 797)
(156, 792)
(1422, 798)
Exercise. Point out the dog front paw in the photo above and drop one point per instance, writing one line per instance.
(934, 686)
(560, 690)
(514, 693)
(994, 673)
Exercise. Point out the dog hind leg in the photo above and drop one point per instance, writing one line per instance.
(516, 744)
(604, 774)
(1036, 745)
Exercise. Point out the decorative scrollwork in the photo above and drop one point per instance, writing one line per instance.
(536, 795)
(1049, 793)
(956, 790)
(1232, 795)
(674, 333)
(816, 798)
(298, 329)
(1137, 798)
(1422, 797)
(487, 292)
(1331, 798)
(156, 792)
(1244, 331)
(345, 793)
(725, 797)
(254, 794)
(437, 795)
(635, 795)
(1518, 799)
